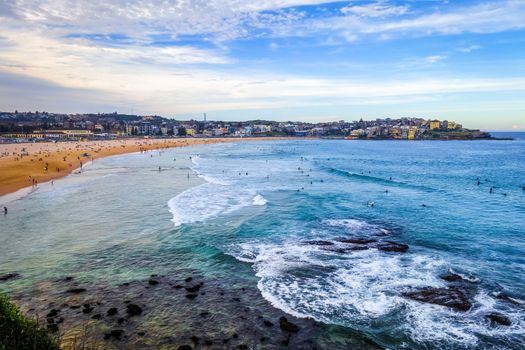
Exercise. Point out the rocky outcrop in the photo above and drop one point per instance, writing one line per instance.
(450, 297)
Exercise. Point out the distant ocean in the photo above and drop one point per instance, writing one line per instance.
(303, 220)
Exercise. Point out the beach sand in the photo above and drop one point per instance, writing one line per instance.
(26, 164)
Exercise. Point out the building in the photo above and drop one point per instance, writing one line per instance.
(434, 124)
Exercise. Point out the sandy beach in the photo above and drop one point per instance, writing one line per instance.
(29, 164)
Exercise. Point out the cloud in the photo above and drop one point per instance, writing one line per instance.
(435, 58)
(377, 9)
(469, 49)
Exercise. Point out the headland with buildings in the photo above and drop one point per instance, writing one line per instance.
(43, 126)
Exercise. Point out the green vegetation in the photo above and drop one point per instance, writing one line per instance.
(19, 332)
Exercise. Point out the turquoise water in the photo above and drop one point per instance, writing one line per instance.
(248, 213)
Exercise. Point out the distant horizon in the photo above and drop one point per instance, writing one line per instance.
(309, 60)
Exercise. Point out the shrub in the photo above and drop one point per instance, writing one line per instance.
(19, 332)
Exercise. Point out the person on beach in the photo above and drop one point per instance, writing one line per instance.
(5, 210)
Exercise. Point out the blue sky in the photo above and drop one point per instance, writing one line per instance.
(308, 60)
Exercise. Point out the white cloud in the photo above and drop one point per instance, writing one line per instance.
(469, 49)
(435, 58)
(376, 9)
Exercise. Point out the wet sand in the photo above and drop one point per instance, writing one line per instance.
(26, 164)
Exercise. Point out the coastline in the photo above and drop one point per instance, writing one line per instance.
(20, 163)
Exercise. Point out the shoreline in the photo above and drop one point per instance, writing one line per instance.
(21, 163)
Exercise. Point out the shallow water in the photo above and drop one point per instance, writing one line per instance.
(264, 203)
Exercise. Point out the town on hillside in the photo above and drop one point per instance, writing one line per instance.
(43, 126)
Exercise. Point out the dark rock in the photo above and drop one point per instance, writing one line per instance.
(389, 246)
(115, 333)
(97, 317)
(133, 310)
(243, 347)
(153, 282)
(184, 347)
(191, 296)
(208, 343)
(50, 320)
(287, 325)
(141, 334)
(189, 279)
(235, 336)
(316, 242)
(505, 297)
(178, 286)
(53, 313)
(76, 290)
(112, 312)
(87, 308)
(68, 279)
(263, 339)
(195, 339)
(121, 320)
(74, 307)
(451, 277)
(358, 240)
(497, 318)
(236, 299)
(205, 314)
(450, 297)
(193, 289)
(9, 276)
(268, 323)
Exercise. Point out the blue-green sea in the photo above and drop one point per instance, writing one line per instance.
(275, 214)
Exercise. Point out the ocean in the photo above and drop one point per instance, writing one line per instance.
(307, 223)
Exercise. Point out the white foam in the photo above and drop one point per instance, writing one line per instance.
(365, 287)
(259, 200)
(355, 226)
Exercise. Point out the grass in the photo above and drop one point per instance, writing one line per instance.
(19, 332)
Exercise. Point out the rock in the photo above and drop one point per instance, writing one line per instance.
(193, 289)
(268, 323)
(133, 310)
(191, 296)
(115, 333)
(184, 347)
(76, 290)
(153, 282)
(451, 277)
(208, 342)
(358, 240)
(389, 246)
(178, 286)
(189, 279)
(315, 242)
(141, 334)
(9, 276)
(497, 318)
(195, 339)
(243, 347)
(121, 320)
(52, 313)
(449, 297)
(87, 308)
(205, 314)
(509, 299)
(97, 317)
(67, 279)
(112, 312)
(287, 325)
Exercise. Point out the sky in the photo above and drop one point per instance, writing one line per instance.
(309, 60)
